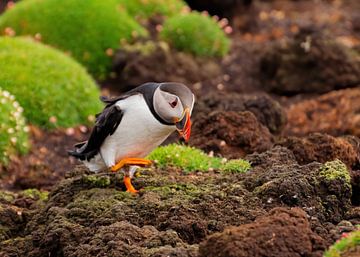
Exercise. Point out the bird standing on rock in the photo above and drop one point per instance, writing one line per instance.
(133, 124)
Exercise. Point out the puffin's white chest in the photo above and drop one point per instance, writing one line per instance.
(138, 133)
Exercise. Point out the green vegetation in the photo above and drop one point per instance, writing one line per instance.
(196, 34)
(97, 181)
(85, 29)
(13, 130)
(345, 244)
(35, 194)
(192, 159)
(54, 90)
(335, 170)
(144, 9)
(236, 166)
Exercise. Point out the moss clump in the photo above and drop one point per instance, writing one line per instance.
(13, 130)
(196, 34)
(85, 29)
(344, 245)
(192, 159)
(335, 170)
(35, 194)
(97, 181)
(236, 166)
(6, 197)
(187, 158)
(54, 90)
(144, 9)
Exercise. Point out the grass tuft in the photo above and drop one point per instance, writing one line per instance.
(191, 159)
(144, 9)
(53, 89)
(348, 242)
(197, 34)
(88, 30)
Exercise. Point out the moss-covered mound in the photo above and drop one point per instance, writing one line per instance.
(141, 9)
(192, 159)
(53, 89)
(85, 29)
(349, 245)
(197, 34)
(13, 131)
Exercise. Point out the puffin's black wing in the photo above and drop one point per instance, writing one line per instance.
(106, 123)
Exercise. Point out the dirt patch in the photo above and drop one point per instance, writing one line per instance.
(283, 232)
(89, 214)
(156, 62)
(322, 148)
(335, 113)
(309, 63)
(230, 134)
(268, 111)
(47, 161)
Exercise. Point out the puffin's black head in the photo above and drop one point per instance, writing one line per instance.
(174, 103)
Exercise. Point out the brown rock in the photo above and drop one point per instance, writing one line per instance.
(231, 134)
(322, 148)
(268, 111)
(309, 63)
(283, 233)
(335, 113)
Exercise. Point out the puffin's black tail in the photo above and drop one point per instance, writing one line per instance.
(80, 153)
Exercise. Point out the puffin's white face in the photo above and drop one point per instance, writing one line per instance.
(173, 102)
(168, 106)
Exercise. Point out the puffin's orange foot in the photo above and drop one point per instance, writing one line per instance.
(129, 187)
(130, 161)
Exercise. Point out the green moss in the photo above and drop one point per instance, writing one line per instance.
(35, 194)
(97, 181)
(53, 89)
(144, 9)
(7, 197)
(13, 130)
(196, 34)
(345, 244)
(236, 166)
(191, 159)
(335, 170)
(184, 157)
(86, 29)
(189, 190)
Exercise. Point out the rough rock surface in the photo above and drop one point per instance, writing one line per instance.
(283, 232)
(336, 113)
(326, 197)
(309, 63)
(322, 148)
(90, 215)
(230, 134)
(157, 62)
(268, 111)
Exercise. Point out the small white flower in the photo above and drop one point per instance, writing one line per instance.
(13, 140)
(16, 104)
(10, 130)
(26, 129)
(6, 93)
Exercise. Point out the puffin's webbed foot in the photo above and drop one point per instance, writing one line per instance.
(130, 161)
(127, 178)
(129, 187)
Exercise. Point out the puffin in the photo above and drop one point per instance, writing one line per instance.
(133, 124)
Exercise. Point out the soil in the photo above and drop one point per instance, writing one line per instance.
(262, 103)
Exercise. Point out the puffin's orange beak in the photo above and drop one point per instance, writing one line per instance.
(183, 126)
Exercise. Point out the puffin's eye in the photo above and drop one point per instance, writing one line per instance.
(174, 103)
